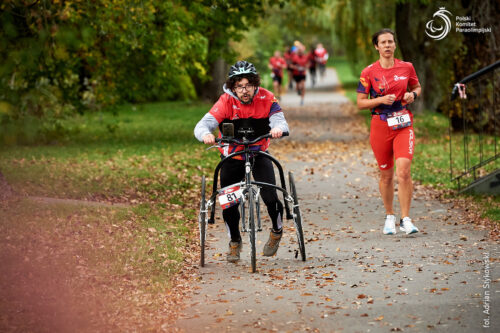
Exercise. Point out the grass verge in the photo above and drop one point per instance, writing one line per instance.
(346, 76)
(144, 158)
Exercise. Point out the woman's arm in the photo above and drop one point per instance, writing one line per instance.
(365, 103)
(409, 97)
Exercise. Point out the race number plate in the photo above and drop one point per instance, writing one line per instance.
(230, 197)
(399, 120)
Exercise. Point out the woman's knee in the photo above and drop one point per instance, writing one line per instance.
(403, 174)
(387, 176)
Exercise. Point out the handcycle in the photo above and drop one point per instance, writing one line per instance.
(246, 194)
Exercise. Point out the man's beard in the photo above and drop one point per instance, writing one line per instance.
(249, 100)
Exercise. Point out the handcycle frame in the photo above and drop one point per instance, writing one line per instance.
(251, 191)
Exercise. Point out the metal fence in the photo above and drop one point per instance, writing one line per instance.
(475, 148)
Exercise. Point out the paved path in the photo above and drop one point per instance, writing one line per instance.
(325, 91)
(355, 279)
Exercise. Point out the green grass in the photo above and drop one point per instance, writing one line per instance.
(493, 213)
(431, 162)
(144, 156)
(148, 149)
(349, 82)
(433, 151)
(346, 76)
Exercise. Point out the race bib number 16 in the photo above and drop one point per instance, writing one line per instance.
(399, 120)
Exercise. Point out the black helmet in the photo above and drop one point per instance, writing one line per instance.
(242, 68)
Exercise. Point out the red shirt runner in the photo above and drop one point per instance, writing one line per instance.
(301, 62)
(378, 81)
(278, 63)
(321, 55)
(389, 144)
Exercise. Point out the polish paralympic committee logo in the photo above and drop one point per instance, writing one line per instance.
(439, 32)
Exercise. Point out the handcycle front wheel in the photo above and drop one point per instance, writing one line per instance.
(251, 225)
(297, 217)
(243, 213)
(202, 221)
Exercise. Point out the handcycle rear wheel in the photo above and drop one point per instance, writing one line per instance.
(297, 217)
(202, 222)
(251, 225)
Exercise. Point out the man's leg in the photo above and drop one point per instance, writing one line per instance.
(232, 172)
(290, 79)
(280, 83)
(263, 171)
(302, 91)
(276, 88)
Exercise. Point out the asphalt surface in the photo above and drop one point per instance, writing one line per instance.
(355, 279)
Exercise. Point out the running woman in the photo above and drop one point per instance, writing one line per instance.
(245, 104)
(300, 63)
(392, 85)
(276, 65)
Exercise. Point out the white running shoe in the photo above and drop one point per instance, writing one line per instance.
(390, 225)
(406, 226)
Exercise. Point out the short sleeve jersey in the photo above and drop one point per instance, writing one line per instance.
(263, 105)
(277, 63)
(378, 81)
(301, 62)
(321, 55)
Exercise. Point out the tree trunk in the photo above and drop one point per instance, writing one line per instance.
(411, 51)
(432, 59)
(212, 89)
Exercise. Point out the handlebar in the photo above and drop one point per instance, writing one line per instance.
(246, 142)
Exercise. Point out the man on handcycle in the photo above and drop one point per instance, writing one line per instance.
(246, 105)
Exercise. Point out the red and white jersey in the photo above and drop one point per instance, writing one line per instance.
(321, 55)
(378, 81)
(277, 63)
(229, 107)
(301, 63)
